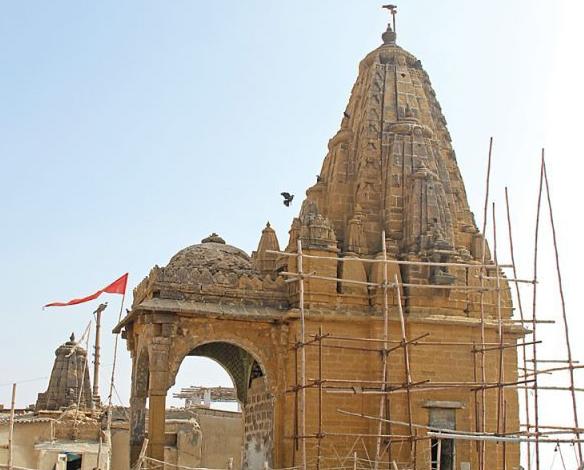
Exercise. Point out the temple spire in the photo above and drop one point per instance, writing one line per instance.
(264, 261)
(69, 382)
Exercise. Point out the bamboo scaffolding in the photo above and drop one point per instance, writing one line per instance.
(385, 388)
(563, 303)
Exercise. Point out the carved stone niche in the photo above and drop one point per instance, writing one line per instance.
(426, 215)
(355, 235)
(316, 231)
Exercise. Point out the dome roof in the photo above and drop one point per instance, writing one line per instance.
(210, 262)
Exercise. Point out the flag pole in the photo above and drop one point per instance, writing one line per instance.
(111, 389)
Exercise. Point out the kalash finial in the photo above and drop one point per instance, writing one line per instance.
(389, 35)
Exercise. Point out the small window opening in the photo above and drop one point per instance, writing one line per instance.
(446, 448)
(441, 419)
(74, 461)
(256, 371)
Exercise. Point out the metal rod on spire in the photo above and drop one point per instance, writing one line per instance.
(393, 11)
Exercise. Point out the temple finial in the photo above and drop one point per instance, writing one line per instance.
(72, 337)
(390, 34)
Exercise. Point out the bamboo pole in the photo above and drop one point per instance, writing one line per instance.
(302, 354)
(295, 277)
(501, 371)
(320, 431)
(385, 352)
(476, 398)
(416, 426)
(563, 389)
(534, 316)
(504, 432)
(491, 438)
(11, 429)
(554, 369)
(564, 315)
(506, 346)
(296, 389)
(418, 343)
(395, 261)
(141, 455)
(482, 306)
(406, 364)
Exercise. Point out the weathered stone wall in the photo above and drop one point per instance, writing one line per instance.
(25, 437)
(222, 437)
(258, 434)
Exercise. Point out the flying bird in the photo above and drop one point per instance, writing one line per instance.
(287, 198)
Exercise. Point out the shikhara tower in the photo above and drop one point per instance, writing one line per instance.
(391, 167)
(391, 170)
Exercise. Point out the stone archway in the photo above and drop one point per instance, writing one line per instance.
(251, 384)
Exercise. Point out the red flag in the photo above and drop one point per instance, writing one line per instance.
(116, 287)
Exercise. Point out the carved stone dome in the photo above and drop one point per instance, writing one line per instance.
(210, 262)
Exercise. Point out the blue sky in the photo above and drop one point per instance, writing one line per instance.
(129, 130)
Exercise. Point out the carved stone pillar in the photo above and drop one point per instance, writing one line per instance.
(140, 378)
(156, 422)
(159, 367)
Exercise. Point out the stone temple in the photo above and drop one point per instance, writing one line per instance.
(390, 169)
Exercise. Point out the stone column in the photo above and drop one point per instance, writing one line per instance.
(159, 367)
(156, 423)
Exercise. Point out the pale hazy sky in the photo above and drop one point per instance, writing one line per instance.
(129, 130)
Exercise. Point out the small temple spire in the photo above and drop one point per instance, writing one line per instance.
(69, 383)
(390, 33)
(266, 262)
